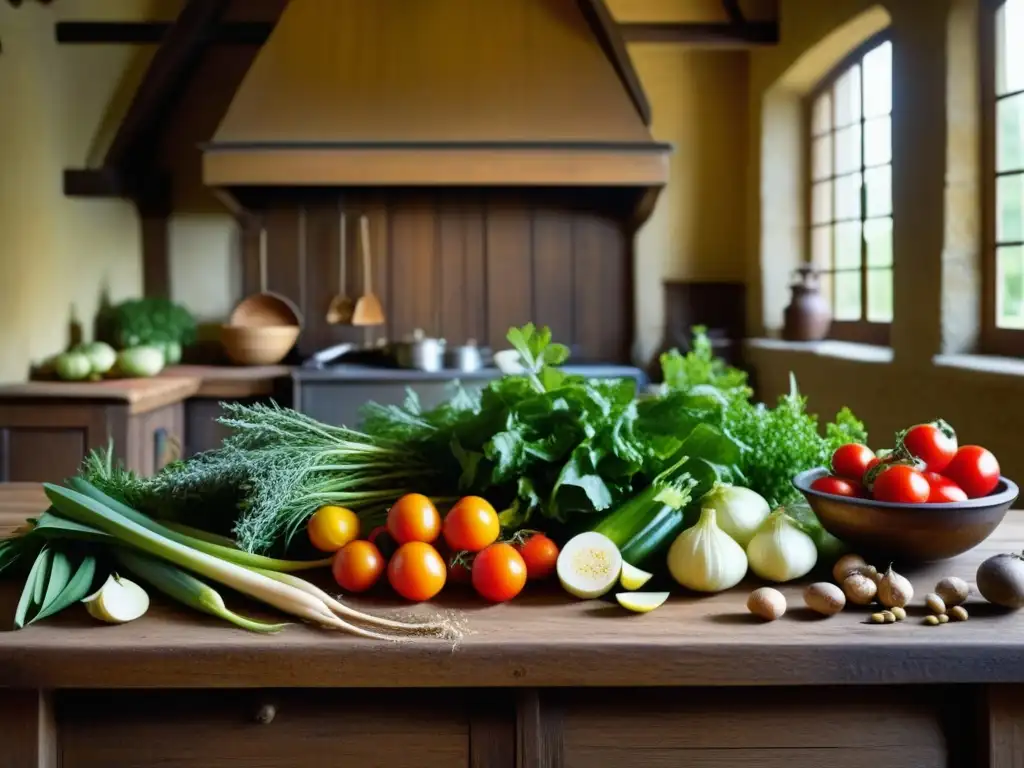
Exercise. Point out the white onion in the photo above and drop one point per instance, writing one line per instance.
(740, 511)
(780, 550)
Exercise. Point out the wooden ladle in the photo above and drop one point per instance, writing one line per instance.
(341, 307)
(368, 310)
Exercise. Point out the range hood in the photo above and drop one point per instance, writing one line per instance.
(438, 93)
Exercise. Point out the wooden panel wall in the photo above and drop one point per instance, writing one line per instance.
(457, 264)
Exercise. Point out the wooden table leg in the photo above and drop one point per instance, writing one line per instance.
(28, 729)
(1005, 721)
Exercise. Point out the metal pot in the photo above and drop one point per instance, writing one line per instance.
(422, 353)
(466, 358)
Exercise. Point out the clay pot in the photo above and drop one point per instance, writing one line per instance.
(808, 317)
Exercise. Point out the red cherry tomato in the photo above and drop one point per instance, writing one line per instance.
(943, 490)
(930, 444)
(901, 484)
(499, 573)
(357, 566)
(974, 469)
(837, 486)
(414, 518)
(540, 555)
(471, 525)
(852, 461)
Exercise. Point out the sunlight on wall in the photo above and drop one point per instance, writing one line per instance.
(57, 255)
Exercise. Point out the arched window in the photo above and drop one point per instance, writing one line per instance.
(1004, 145)
(850, 191)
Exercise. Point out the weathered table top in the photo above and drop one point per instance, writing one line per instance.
(540, 639)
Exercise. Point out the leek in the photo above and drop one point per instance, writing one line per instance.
(202, 543)
(187, 589)
(88, 511)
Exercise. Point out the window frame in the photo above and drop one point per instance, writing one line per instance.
(994, 340)
(861, 331)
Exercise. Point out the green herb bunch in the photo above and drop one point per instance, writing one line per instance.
(777, 443)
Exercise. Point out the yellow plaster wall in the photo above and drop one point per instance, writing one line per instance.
(57, 104)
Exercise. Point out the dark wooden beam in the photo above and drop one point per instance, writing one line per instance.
(152, 32)
(606, 30)
(127, 169)
(168, 72)
(94, 182)
(733, 11)
(748, 33)
(257, 32)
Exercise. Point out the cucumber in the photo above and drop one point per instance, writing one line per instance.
(646, 524)
(655, 537)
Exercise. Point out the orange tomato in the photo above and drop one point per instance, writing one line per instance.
(414, 518)
(471, 525)
(416, 571)
(540, 555)
(499, 573)
(357, 566)
(331, 528)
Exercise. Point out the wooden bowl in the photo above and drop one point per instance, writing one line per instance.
(258, 345)
(913, 533)
(266, 309)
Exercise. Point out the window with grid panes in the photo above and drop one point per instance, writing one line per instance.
(850, 192)
(1007, 115)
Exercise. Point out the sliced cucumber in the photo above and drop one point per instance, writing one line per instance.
(119, 600)
(633, 578)
(641, 602)
(589, 565)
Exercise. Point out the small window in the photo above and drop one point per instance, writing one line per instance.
(1005, 115)
(850, 192)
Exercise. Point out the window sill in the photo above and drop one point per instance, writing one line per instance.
(1000, 366)
(840, 350)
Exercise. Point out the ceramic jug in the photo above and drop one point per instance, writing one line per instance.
(808, 317)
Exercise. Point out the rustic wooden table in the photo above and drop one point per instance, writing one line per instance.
(542, 681)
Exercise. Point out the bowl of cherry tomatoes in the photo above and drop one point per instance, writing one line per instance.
(928, 498)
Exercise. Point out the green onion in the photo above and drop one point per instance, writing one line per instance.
(187, 589)
(88, 511)
(203, 544)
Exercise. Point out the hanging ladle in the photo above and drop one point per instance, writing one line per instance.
(341, 306)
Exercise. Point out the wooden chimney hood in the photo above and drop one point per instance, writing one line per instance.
(439, 93)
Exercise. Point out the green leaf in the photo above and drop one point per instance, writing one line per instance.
(39, 585)
(555, 354)
(60, 574)
(469, 461)
(78, 587)
(579, 487)
(507, 451)
(33, 585)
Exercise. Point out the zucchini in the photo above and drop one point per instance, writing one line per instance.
(647, 523)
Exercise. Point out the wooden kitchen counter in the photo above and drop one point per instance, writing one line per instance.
(515, 682)
(226, 382)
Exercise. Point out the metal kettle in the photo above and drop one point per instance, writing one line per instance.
(421, 353)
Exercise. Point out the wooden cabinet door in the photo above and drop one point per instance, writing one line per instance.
(736, 728)
(44, 442)
(294, 729)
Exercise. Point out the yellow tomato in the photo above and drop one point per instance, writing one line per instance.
(331, 528)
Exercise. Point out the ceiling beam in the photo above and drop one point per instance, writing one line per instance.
(610, 39)
(702, 33)
(257, 32)
(128, 159)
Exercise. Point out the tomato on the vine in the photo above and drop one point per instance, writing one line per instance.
(901, 484)
(540, 555)
(943, 490)
(837, 486)
(416, 571)
(974, 469)
(471, 525)
(852, 461)
(414, 518)
(331, 528)
(499, 572)
(934, 444)
(357, 566)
